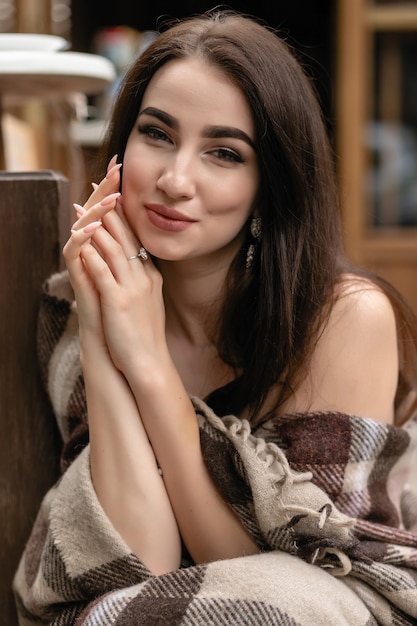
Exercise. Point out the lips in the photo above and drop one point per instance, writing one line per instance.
(167, 218)
(169, 213)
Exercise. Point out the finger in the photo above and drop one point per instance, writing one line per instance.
(96, 212)
(99, 268)
(80, 210)
(81, 281)
(72, 248)
(119, 209)
(115, 247)
(118, 246)
(109, 184)
(117, 225)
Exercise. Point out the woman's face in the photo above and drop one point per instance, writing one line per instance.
(190, 171)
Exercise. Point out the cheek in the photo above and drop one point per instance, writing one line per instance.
(132, 188)
(138, 163)
(241, 191)
(229, 220)
(132, 169)
(136, 181)
(236, 200)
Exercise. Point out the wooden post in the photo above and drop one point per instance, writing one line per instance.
(34, 214)
(2, 153)
(351, 106)
(33, 16)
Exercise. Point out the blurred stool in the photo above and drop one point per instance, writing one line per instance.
(38, 67)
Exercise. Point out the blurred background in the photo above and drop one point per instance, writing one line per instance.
(361, 55)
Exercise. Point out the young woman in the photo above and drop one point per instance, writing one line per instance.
(208, 264)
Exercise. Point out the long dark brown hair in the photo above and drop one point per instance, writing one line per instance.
(272, 315)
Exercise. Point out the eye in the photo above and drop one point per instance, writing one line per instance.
(153, 132)
(227, 154)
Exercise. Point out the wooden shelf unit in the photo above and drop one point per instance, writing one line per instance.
(392, 252)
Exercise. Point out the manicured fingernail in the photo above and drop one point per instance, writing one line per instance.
(109, 199)
(112, 162)
(80, 210)
(91, 227)
(113, 170)
(94, 186)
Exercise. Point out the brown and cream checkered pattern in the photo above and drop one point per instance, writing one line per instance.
(320, 493)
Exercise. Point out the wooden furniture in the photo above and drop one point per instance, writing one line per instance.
(42, 16)
(34, 222)
(53, 74)
(371, 98)
(40, 84)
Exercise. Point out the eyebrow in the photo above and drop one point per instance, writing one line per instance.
(217, 132)
(166, 118)
(212, 132)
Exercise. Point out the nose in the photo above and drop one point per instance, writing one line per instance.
(177, 179)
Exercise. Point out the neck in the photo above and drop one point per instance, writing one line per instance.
(192, 295)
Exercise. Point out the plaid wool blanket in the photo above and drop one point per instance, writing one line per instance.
(324, 495)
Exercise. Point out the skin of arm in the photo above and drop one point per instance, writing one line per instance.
(123, 466)
(208, 526)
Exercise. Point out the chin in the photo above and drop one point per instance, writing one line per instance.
(163, 252)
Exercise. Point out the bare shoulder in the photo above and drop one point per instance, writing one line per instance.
(354, 367)
(361, 304)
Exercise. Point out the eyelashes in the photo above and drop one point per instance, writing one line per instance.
(226, 154)
(157, 135)
(153, 132)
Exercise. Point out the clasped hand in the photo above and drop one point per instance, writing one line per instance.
(119, 301)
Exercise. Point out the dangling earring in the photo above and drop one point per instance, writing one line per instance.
(256, 232)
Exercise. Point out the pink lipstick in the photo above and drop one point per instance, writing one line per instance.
(167, 218)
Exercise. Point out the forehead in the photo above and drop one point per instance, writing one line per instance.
(190, 89)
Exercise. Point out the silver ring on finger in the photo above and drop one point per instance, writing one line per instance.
(142, 255)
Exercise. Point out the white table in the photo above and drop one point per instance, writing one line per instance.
(51, 75)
